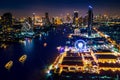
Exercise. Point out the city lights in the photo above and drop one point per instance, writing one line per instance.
(59, 40)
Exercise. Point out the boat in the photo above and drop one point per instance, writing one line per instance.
(9, 64)
(23, 58)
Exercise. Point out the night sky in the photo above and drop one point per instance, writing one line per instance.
(58, 7)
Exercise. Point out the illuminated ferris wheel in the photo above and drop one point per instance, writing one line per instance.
(80, 45)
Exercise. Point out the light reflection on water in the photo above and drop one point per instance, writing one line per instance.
(28, 45)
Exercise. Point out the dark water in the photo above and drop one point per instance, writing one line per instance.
(38, 56)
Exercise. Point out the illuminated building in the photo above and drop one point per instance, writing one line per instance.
(80, 21)
(114, 67)
(85, 21)
(68, 18)
(106, 58)
(33, 17)
(75, 14)
(107, 61)
(58, 21)
(7, 19)
(53, 20)
(90, 20)
(7, 29)
(75, 18)
(46, 19)
(38, 22)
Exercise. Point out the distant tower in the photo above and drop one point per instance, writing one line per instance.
(75, 18)
(53, 20)
(33, 18)
(46, 15)
(75, 14)
(47, 21)
(90, 20)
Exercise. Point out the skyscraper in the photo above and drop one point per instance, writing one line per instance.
(53, 20)
(90, 20)
(75, 18)
(33, 18)
(75, 14)
(68, 18)
(7, 19)
(47, 20)
(46, 15)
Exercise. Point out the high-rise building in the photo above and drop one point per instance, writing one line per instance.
(85, 21)
(75, 18)
(80, 21)
(53, 20)
(47, 20)
(90, 20)
(46, 15)
(7, 26)
(75, 14)
(68, 18)
(7, 19)
(33, 18)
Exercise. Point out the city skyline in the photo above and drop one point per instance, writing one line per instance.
(59, 40)
(59, 7)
